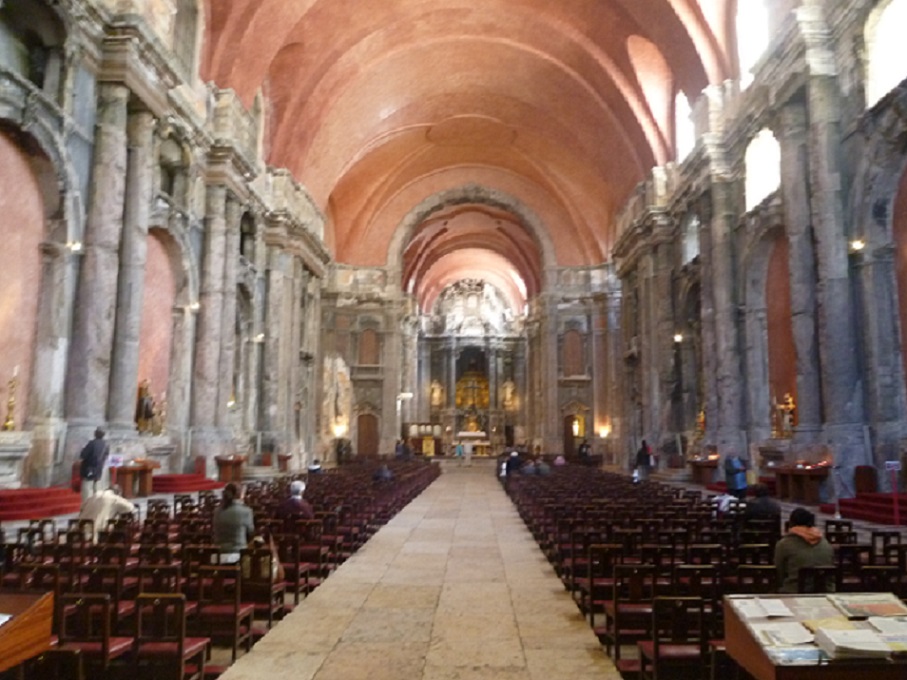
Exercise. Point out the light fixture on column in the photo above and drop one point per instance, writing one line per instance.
(678, 338)
(192, 307)
(857, 245)
(259, 338)
(74, 246)
(604, 431)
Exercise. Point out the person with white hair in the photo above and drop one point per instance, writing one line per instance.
(295, 507)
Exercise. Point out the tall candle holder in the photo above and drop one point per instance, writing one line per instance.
(10, 423)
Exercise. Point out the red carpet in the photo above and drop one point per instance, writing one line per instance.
(183, 483)
(20, 504)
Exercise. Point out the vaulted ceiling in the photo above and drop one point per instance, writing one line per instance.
(483, 139)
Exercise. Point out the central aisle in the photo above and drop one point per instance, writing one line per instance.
(454, 587)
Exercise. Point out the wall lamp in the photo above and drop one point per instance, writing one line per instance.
(678, 338)
(857, 245)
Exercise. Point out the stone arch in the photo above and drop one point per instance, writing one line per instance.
(471, 193)
(762, 314)
(877, 189)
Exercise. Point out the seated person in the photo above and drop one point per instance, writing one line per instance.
(295, 506)
(560, 460)
(763, 506)
(542, 468)
(233, 524)
(528, 467)
(383, 474)
(314, 467)
(802, 546)
(104, 506)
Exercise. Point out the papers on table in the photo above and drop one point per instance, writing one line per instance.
(761, 609)
(782, 633)
(4, 618)
(889, 625)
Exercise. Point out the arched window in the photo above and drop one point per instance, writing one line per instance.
(752, 37)
(368, 347)
(573, 359)
(684, 130)
(763, 168)
(691, 225)
(884, 36)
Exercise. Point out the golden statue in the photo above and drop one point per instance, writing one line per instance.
(10, 423)
(787, 415)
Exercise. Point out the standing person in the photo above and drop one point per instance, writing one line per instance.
(802, 546)
(104, 506)
(735, 476)
(459, 452)
(93, 465)
(233, 524)
(467, 454)
(584, 452)
(643, 461)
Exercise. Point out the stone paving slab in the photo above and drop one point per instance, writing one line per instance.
(453, 588)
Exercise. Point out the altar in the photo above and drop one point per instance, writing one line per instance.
(481, 446)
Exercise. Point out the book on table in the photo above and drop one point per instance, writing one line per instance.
(859, 643)
(864, 605)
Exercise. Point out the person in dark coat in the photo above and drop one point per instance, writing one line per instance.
(295, 507)
(93, 464)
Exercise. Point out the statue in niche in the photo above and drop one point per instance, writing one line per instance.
(787, 414)
(144, 408)
(437, 394)
(509, 395)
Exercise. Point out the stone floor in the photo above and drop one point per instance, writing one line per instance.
(453, 588)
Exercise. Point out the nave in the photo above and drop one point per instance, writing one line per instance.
(453, 587)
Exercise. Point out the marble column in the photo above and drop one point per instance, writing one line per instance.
(615, 390)
(842, 390)
(552, 418)
(124, 377)
(233, 217)
(802, 257)
(209, 325)
(708, 340)
(88, 379)
(452, 353)
(729, 383)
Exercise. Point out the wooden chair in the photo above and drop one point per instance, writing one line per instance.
(221, 612)
(628, 614)
(598, 586)
(107, 578)
(86, 629)
(162, 650)
(880, 540)
(678, 648)
(296, 570)
(260, 584)
(754, 579)
(817, 579)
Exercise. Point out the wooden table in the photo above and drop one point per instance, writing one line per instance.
(704, 470)
(744, 648)
(27, 633)
(229, 468)
(134, 478)
(800, 485)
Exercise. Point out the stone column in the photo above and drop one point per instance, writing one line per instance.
(452, 352)
(842, 390)
(615, 390)
(798, 222)
(96, 295)
(396, 411)
(708, 341)
(232, 216)
(274, 308)
(552, 421)
(209, 325)
(124, 377)
(729, 383)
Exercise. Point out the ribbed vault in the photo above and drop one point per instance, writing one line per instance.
(377, 105)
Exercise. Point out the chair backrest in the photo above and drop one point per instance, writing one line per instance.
(756, 579)
(160, 578)
(833, 525)
(87, 619)
(882, 578)
(161, 617)
(634, 582)
(817, 579)
(310, 531)
(679, 621)
(218, 584)
(198, 555)
(880, 540)
(841, 537)
(754, 553)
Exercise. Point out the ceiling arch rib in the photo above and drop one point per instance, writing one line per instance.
(470, 264)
